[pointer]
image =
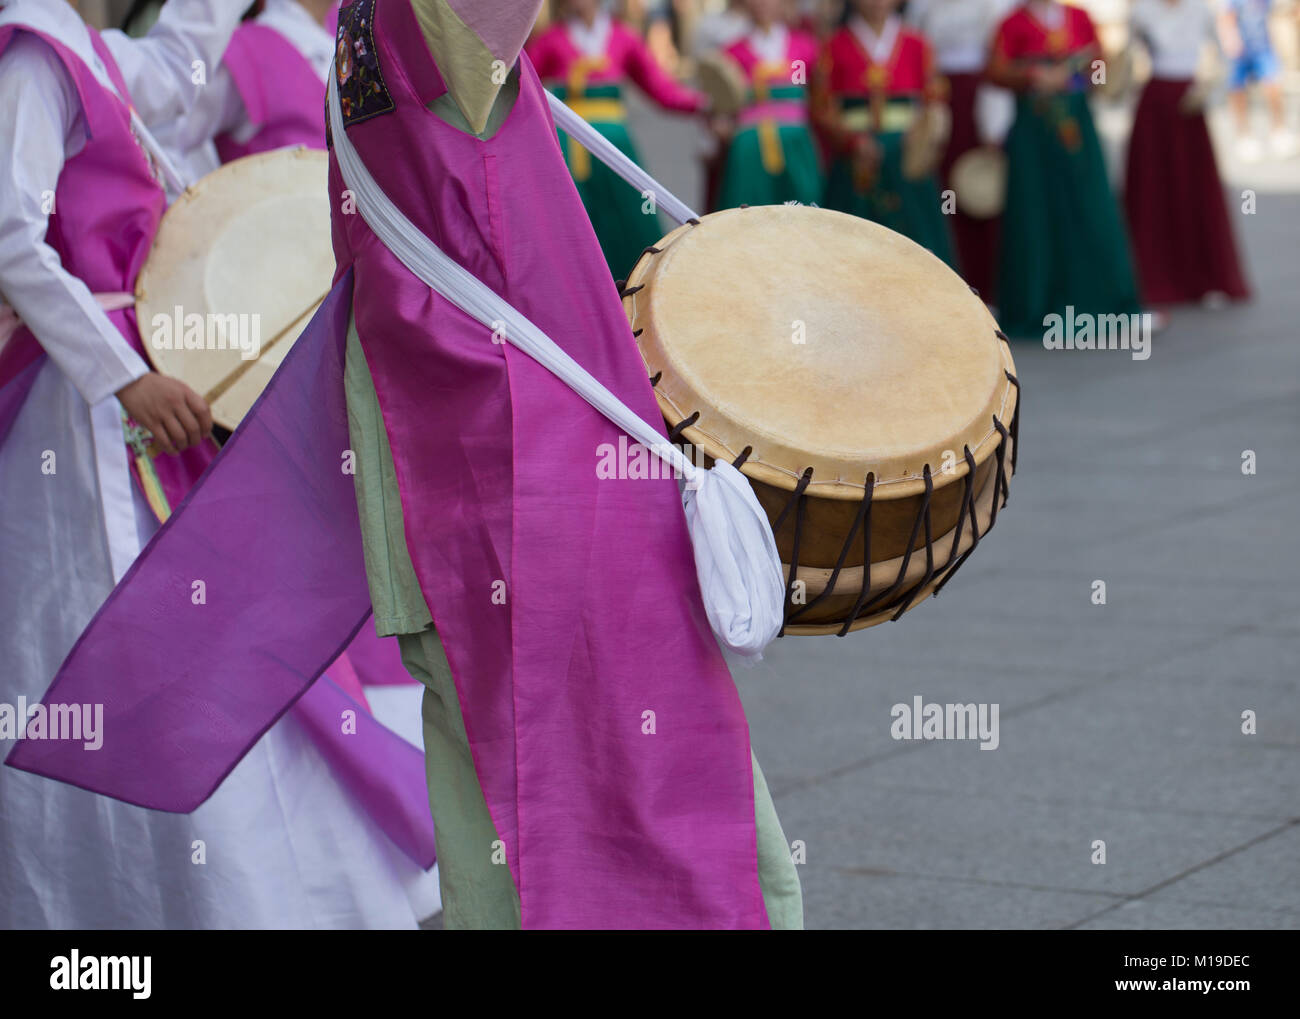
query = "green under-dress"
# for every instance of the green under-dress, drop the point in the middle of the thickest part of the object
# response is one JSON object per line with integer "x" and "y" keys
{"x": 1064, "y": 242}
{"x": 747, "y": 179}
{"x": 625, "y": 222}
{"x": 909, "y": 207}
{"x": 477, "y": 889}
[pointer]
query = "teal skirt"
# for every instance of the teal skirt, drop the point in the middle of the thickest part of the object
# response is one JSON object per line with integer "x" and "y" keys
{"x": 909, "y": 207}
{"x": 625, "y": 223}
{"x": 746, "y": 181}
{"x": 1063, "y": 239}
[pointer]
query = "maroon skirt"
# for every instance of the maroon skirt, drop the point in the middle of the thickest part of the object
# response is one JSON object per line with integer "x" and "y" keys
{"x": 977, "y": 239}
{"x": 1177, "y": 209}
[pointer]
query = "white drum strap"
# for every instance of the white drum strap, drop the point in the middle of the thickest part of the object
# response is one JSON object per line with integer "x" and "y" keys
{"x": 605, "y": 150}
{"x": 736, "y": 560}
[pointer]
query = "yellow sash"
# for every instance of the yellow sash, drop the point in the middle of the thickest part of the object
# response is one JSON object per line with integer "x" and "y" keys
{"x": 769, "y": 135}
{"x": 591, "y": 110}
{"x": 894, "y": 117}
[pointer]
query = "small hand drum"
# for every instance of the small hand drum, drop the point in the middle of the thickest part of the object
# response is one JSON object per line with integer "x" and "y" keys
{"x": 859, "y": 384}
{"x": 246, "y": 248}
{"x": 723, "y": 81}
{"x": 979, "y": 180}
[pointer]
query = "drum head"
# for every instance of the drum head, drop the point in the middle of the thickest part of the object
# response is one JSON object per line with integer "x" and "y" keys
{"x": 723, "y": 81}
{"x": 979, "y": 180}
{"x": 241, "y": 262}
{"x": 823, "y": 341}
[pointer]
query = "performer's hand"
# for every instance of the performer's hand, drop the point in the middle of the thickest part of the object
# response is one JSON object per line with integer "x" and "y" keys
{"x": 866, "y": 162}
{"x": 722, "y": 127}
{"x": 176, "y": 415}
{"x": 1192, "y": 101}
{"x": 865, "y": 148}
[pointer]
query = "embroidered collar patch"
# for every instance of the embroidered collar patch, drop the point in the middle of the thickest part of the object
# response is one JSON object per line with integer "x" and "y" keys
{"x": 362, "y": 91}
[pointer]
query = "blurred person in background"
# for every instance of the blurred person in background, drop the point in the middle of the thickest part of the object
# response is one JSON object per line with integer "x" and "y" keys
{"x": 140, "y": 17}
{"x": 585, "y": 58}
{"x": 960, "y": 32}
{"x": 718, "y": 28}
{"x": 772, "y": 157}
{"x": 876, "y": 81}
{"x": 1249, "y": 46}
{"x": 1063, "y": 240}
{"x": 661, "y": 28}
{"x": 816, "y": 17}
{"x": 1177, "y": 210}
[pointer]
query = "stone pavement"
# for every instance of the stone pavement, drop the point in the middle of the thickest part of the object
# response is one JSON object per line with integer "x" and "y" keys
{"x": 1119, "y": 722}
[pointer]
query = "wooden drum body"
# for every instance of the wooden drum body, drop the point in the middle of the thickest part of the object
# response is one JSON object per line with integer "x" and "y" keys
{"x": 860, "y": 385}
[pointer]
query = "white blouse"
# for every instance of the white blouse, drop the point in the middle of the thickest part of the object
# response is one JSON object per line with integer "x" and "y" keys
{"x": 590, "y": 40}
{"x": 959, "y": 30}
{"x": 1174, "y": 34}
{"x": 770, "y": 46}
{"x": 879, "y": 47}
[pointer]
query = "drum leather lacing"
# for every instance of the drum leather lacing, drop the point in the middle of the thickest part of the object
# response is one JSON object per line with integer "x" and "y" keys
{"x": 862, "y": 522}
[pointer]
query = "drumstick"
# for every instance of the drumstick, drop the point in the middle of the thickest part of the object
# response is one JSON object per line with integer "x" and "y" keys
{"x": 245, "y": 364}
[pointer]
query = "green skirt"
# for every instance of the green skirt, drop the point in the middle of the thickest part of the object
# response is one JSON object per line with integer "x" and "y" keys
{"x": 618, "y": 213}
{"x": 909, "y": 207}
{"x": 745, "y": 181}
{"x": 1063, "y": 238}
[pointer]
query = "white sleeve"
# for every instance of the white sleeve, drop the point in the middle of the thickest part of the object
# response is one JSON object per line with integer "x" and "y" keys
{"x": 218, "y": 109}
{"x": 160, "y": 68}
{"x": 44, "y": 115}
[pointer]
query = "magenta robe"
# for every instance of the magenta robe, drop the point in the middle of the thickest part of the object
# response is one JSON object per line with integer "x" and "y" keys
{"x": 604, "y": 825}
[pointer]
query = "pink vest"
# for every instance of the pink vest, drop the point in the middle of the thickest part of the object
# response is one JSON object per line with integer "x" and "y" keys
{"x": 280, "y": 91}
{"x": 798, "y": 46}
{"x": 786, "y": 106}
{"x": 107, "y": 206}
{"x": 557, "y": 59}
{"x": 568, "y": 605}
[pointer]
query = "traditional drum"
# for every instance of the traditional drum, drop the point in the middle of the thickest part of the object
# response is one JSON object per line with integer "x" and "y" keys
{"x": 1120, "y": 77}
{"x": 241, "y": 262}
{"x": 858, "y": 383}
{"x": 979, "y": 181}
{"x": 723, "y": 80}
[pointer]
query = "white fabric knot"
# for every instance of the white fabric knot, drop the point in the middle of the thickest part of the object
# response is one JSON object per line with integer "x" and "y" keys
{"x": 736, "y": 560}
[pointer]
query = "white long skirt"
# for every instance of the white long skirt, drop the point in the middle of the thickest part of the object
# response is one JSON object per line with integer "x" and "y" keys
{"x": 280, "y": 845}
